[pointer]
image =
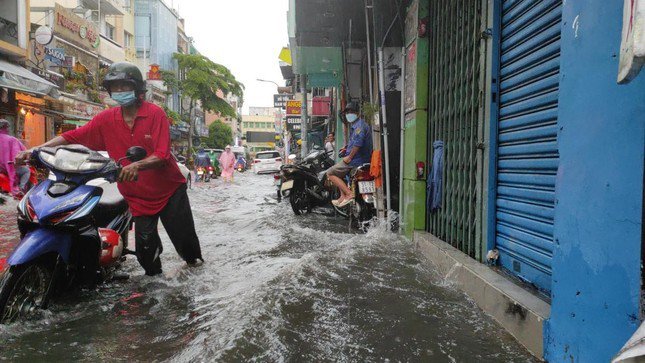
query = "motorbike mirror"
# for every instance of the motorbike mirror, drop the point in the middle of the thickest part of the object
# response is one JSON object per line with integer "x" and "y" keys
{"x": 136, "y": 153}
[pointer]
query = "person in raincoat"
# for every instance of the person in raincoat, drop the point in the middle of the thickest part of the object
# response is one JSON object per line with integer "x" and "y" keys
{"x": 214, "y": 162}
{"x": 227, "y": 163}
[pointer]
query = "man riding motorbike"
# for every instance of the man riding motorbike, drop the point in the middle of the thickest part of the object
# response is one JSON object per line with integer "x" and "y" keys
{"x": 355, "y": 154}
{"x": 10, "y": 147}
{"x": 153, "y": 187}
{"x": 202, "y": 160}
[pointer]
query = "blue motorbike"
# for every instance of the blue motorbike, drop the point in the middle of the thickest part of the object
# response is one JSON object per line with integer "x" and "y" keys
{"x": 74, "y": 229}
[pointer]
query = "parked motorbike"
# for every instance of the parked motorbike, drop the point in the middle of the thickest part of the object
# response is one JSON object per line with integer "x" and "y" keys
{"x": 277, "y": 182}
{"x": 306, "y": 182}
{"x": 362, "y": 210}
{"x": 73, "y": 231}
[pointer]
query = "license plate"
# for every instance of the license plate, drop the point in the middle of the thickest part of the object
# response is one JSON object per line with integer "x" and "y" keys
{"x": 199, "y": 172}
{"x": 287, "y": 185}
{"x": 365, "y": 187}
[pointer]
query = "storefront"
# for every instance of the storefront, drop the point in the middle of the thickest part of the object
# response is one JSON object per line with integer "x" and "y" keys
{"x": 23, "y": 97}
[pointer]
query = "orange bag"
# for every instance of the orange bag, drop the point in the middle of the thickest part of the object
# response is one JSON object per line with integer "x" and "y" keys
{"x": 375, "y": 168}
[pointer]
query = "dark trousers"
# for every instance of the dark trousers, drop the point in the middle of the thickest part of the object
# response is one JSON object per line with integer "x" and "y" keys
{"x": 177, "y": 219}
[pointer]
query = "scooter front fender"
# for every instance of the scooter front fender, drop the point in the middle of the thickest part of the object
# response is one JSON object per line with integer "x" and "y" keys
{"x": 40, "y": 242}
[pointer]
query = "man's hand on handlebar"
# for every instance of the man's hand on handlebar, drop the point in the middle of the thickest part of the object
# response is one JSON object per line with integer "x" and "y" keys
{"x": 23, "y": 157}
{"x": 129, "y": 173}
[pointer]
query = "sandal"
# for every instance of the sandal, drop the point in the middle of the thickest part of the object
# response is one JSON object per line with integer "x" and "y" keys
{"x": 345, "y": 202}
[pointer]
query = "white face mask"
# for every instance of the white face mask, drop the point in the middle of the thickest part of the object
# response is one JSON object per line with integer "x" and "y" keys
{"x": 351, "y": 117}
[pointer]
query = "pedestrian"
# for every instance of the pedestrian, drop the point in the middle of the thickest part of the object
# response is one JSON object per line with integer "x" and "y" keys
{"x": 10, "y": 147}
{"x": 355, "y": 154}
{"x": 330, "y": 146}
{"x": 227, "y": 163}
{"x": 153, "y": 187}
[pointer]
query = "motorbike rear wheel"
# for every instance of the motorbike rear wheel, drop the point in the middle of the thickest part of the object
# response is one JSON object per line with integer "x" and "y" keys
{"x": 24, "y": 289}
{"x": 299, "y": 199}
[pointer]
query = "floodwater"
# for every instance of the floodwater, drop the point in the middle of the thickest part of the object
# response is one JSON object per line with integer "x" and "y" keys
{"x": 274, "y": 288}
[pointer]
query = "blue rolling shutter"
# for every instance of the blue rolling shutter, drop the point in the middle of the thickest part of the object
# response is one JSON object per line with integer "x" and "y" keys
{"x": 527, "y": 154}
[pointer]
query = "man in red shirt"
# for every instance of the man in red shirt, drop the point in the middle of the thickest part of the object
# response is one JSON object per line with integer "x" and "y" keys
{"x": 154, "y": 187}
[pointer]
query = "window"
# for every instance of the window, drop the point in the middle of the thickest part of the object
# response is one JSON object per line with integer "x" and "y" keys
{"x": 109, "y": 31}
{"x": 268, "y": 155}
{"x": 128, "y": 39}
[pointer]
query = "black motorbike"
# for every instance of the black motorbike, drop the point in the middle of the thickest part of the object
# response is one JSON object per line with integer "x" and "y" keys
{"x": 306, "y": 182}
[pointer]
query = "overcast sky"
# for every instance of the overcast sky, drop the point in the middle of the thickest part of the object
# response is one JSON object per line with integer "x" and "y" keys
{"x": 244, "y": 35}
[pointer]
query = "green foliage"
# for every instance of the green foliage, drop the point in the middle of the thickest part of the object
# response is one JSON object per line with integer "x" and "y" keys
{"x": 369, "y": 110}
{"x": 203, "y": 78}
{"x": 219, "y": 135}
{"x": 174, "y": 117}
{"x": 171, "y": 82}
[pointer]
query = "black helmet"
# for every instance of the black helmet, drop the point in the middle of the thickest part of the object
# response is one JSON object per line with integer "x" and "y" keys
{"x": 124, "y": 71}
{"x": 352, "y": 106}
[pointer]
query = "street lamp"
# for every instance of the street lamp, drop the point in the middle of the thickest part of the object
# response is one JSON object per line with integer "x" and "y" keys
{"x": 264, "y": 80}
{"x": 279, "y": 109}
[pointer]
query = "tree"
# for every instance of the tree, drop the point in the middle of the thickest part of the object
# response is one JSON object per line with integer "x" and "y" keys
{"x": 219, "y": 135}
{"x": 202, "y": 79}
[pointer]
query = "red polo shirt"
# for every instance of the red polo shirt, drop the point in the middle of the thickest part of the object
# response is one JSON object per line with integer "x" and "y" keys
{"x": 108, "y": 131}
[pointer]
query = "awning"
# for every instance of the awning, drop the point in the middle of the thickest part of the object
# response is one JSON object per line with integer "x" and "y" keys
{"x": 69, "y": 118}
{"x": 74, "y": 122}
{"x": 20, "y": 79}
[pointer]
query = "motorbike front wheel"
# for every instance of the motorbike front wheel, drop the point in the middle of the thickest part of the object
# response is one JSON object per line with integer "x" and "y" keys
{"x": 23, "y": 291}
{"x": 299, "y": 199}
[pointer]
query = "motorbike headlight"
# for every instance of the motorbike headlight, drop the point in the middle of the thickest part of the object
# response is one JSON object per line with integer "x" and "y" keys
{"x": 47, "y": 158}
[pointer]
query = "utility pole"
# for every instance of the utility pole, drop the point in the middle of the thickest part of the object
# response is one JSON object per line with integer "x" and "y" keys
{"x": 303, "y": 115}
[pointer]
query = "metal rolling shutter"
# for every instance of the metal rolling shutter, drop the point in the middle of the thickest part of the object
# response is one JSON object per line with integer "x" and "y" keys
{"x": 455, "y": 84}
{"x": 527, "y": 150}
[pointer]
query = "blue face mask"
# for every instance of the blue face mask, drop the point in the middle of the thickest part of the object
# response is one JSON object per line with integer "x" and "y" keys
{"x": 124, "y": 98}
{"x": 351, "y": 117}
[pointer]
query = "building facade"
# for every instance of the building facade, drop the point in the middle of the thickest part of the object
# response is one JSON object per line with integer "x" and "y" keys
{"x": 259, "y": 128}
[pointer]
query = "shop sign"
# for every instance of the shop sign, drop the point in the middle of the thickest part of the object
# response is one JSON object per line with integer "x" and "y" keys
{"x": 43, "y": 35}
{"x": 280, "y": 101}
{"x": 293, "y": 123}
{"x": 294, "y": 107}
{"x": 55, "y": 55}
{"x": 72, "y": 27}
{"x": 69, "y": 62}
{"x": 632, "y": 47}
{"x": 155, "y": 73}
{"x": 51, "y": 77}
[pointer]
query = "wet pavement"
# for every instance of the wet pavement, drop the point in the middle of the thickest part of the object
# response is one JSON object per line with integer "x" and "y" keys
{"x": 275, "y": 287}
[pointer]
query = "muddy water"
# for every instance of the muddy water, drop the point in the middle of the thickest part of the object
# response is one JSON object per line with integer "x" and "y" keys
{"x": 275, "y": 288}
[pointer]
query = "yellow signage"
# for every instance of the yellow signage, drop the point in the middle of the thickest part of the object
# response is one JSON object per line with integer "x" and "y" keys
{"x": 285, "y": 56}
{"x": 294, "y": 107}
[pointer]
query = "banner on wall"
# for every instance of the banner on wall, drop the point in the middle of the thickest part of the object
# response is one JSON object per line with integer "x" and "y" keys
{"x": 632, "y": 47}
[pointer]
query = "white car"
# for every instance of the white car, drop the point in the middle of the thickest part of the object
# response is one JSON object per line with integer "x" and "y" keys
{"x": 267, "y": 162}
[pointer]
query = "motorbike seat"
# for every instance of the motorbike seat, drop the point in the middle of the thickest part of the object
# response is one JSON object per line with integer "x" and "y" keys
{"x": 110, "y": 205}
{"x": 357, "y": 168}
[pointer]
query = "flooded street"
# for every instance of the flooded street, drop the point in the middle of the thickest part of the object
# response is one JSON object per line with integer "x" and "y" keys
{"x": 275, "y": 287}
